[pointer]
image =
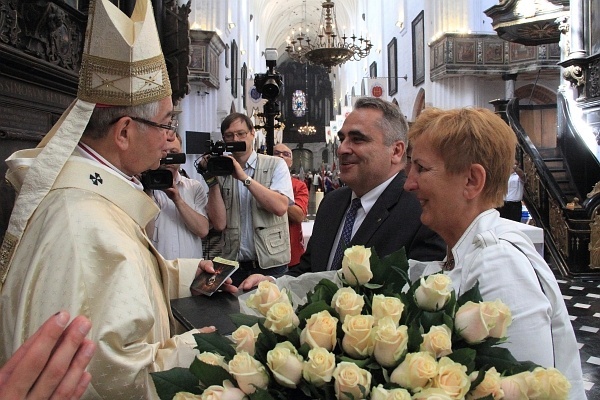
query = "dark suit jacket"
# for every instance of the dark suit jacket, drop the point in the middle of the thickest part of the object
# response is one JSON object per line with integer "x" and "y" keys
{"x": 393, "y": 221}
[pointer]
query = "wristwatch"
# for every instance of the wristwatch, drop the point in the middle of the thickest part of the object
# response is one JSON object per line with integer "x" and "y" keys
{"x": 247, "y": 181}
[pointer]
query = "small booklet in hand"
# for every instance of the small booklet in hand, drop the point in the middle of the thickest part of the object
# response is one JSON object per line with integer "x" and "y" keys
{"x": 207, "y": 283}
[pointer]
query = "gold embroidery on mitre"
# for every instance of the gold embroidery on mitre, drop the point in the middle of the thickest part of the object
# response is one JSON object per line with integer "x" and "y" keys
{"x": 122, "y": 83}
{"x": 6, "y": 252}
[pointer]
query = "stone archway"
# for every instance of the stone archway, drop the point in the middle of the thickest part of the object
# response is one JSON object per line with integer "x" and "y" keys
{"x": 540, "y": 95}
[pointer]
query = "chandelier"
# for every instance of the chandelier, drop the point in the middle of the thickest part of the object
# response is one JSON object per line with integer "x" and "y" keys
{"x": 307, "y": 129}
{"x": 328, "y": 48}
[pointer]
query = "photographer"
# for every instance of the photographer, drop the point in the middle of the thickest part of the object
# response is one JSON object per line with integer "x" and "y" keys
{"x": 183, "y": 221}
{"x": 256, "y": 197}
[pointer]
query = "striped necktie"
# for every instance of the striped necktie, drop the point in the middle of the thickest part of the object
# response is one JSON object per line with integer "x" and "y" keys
{"x": 346, "y": 234}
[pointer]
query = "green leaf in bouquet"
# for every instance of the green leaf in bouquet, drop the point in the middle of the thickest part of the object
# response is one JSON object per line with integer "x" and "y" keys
{"x": 360, "y": 363}
{"x": 261, "y": 394}
{"x": 240, "y": 319}
{"x": 169, "y": 383}
{"x": 209, "y": 374}
{"x": 324, "y": 290}
{"x": 465, "y": 357}
{"x": 500, "y": 358}
{"x": 391, "y": 272}
{"x": 472, "y": 294}
{"x": 432, "y": 318}
{"x": 414, "y": 337}
{"x": 373, "y": 286}
{"x": 215, "y": 343}
{"x": 313, "y": 308}
{"x": 266, "y": 341}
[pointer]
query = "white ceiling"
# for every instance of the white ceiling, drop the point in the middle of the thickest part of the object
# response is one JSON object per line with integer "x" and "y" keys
{"x": 283, "y": 15}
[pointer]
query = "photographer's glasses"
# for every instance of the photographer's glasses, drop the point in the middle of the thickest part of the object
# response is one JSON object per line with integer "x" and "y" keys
{"x": 228, "y": 136}
{"x": 171, "y": 128}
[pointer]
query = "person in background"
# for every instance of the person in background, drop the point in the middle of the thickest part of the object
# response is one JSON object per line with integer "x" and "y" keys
{"x": 297, "y": 211}
{"x": 513, "y": 207}
{"x": 460, "y": 163}
{"x": 256, "y": 197}
{"x": 76, "y": 239}
{"x": 308, "y": 179}
{"x": 317, "y": 181}
{"x": 328, "y": 183}
{"x": 51, "y": 363}
{"x": 373, "y": 210}
{"x": 182, "y": 222}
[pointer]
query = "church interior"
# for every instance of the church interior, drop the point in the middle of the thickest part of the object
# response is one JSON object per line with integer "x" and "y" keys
{"x": 536, "y": 64}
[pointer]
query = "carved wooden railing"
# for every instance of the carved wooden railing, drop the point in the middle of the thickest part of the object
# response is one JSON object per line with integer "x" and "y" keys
{"x": 571, "y": 227}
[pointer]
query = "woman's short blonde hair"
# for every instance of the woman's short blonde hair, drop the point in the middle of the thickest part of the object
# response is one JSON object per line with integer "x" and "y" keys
{"x": 467, "y": 136}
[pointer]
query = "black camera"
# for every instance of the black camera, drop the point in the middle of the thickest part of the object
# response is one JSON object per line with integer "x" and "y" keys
{"x": 217, "y": 164}
{"x": 159, "y": 179}
{"x": 269, "y": 84}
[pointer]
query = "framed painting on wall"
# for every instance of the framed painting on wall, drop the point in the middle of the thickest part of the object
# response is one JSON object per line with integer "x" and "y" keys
{"x": 418, "y": 49}
{"x": 373, "y": 70}
{"x": 392, "y": 49}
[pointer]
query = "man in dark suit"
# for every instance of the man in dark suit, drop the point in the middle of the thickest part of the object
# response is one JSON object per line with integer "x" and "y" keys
{"x": 373, "y": 209}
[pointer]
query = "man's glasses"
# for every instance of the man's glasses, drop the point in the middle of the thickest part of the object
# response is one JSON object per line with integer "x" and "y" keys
{"x": 171, "y": 128}
{"x": 230, "y": 135}
{"x": 282, "y": 153}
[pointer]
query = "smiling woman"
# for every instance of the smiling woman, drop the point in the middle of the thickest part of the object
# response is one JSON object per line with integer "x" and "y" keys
{"x": 460, "y": 163}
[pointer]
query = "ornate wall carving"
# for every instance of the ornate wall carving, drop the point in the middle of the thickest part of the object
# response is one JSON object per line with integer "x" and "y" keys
{"x": 558, "y": 227}
{"x": 594, "y": 245}
{"x": 532, "y": 184}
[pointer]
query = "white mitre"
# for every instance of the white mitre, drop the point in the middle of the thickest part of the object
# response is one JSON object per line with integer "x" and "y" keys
{"x": 122, "y": 65}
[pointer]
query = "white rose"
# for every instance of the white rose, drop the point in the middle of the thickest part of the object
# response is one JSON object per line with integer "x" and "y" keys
{"x": 225, "y": 392}
{"x": 348, "y": 376}
{"x": 286, "y": 364}
{"x": 358, "y": 340}
{"x": 379, "y": 393}
{"x": 520, "y": 386}
{"x": 452, "y": 378}
{"x": 398, "y": 394}
{"x": 503, "y": 319}
{"x": 384, "y": 306}
{"x": 356, "y": 267}
{"x": 346, "y": 302}
{"x": 432, "y": 394}
{"x": 320, "y": 331}
{"x": 416, "y": 371}
{"x": 248, "y": 372}
{"x": 438, "y": 341}
{"x": 434, "y": 292}
{"x": 318, "y": 369}
{"x": 281, "y": 318}
{"x": 477, "y": 321}
{"x": 489, "y": 386}
{"x": 245, "y": 338}
{"x": 390, "y": 342}
{"x": 552, "y": 383}
{"x": 186, "y": 396}
{"x": 266, "y": 295}
{"x": 213, "y": 359}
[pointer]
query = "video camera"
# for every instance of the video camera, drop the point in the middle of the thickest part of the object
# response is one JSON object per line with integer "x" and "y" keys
{"x": 217, "y": 164}
{"x": 269, "y": 83}
{"x": 159, "y": 179}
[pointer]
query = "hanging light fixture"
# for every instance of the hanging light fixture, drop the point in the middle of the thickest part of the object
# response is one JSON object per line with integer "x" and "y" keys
{"x": 306, "y": 129}
{"x": 328, "y": 48}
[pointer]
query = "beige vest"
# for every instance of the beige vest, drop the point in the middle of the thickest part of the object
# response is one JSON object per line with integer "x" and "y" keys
{"x": 271, "y": 233}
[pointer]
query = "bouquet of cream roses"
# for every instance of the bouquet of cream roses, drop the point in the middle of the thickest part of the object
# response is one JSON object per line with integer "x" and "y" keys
{"x": 376, "y": 337}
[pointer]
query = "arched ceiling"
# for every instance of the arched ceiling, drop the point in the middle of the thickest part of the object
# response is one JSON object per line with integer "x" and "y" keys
{"x": 277, "y": 18}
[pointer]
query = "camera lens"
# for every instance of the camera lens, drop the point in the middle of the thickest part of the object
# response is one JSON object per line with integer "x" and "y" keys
{"x": 270, "y": 89}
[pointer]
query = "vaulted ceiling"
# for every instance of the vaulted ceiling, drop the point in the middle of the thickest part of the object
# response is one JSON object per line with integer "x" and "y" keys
{"x": 284, "y": 15}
